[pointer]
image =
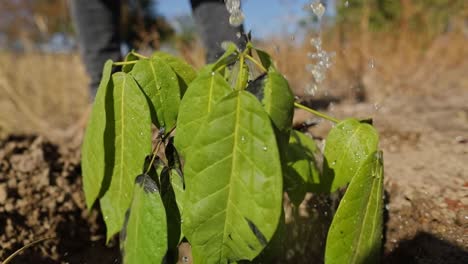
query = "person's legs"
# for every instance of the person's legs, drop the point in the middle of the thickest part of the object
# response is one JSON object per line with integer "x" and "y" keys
{"x": 212, "y": 20}
{"x": 97, "y": 23}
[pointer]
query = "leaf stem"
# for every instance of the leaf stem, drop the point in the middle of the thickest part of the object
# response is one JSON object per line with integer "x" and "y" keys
{"x": 256, "y": 62}
{"x": 155, "y": 153}
{"x": 317, "y": 113}
{"x": 141, "y": 56}
{"x": 25, "y": 247}
{"x": 240, "y": 75}
{"x": 120, "y": 63}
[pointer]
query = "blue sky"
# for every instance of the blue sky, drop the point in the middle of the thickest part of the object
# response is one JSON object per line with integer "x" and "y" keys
{"x": 263, "y": 17}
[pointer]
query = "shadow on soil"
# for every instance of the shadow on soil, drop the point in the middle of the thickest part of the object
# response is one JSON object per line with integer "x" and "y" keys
{"x": 428, "y": 249}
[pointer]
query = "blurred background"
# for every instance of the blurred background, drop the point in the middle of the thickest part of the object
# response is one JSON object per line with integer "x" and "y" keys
{"x": 380, "y": 47}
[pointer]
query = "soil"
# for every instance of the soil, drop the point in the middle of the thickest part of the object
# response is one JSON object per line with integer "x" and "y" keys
{"x": 425, "y": 144}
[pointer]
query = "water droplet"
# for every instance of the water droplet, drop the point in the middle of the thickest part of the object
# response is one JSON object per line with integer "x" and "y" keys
{"x": 318, "y": 9}
{"x": 316, "y": 42}
{"x": 376, "y": 106}
{"x": 212, "y": 73}
{"x": 265, "y": 148}
{"x": 371, "y": 64}
{"x": 232, "y": 5}
{"x": 236, "y": 18}
{"x": 333, "y": 163}
{"x": 242, "y": 139}
{"x": 346, "y": 3}
{"x": 181, "y": 220}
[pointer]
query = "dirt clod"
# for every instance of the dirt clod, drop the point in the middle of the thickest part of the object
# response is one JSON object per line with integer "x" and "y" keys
{"x": 41, "y": 197}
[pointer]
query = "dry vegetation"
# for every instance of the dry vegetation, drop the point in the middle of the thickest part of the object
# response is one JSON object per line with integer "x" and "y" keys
{"x": 47, "y": 93}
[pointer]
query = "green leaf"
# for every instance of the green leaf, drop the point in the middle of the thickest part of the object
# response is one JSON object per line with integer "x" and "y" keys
{"x": 348, "y": 144}
{"x": 203, "y": 93}
{"x": 239, "y": 75}
{"x": 144, "y": 237}
{"x": 265, "y": 59}
{"x": 355, "y": 234}
{"x": 92, "y": 155}
{"x": 129, "y": 142}
{"x": 301, "y": 174}
{"x": 278, "y": 101}
{"x": 233, "y": 197}
{"x": 277, "y": 98}
{"x": 229, "y": 57}
{"x": 128, "y": 67}
{"x": 161, "y": 85}
{"x": 185, "y": 73}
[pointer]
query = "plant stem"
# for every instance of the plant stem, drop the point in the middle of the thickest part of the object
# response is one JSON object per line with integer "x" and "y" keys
{"x": 240, "y": 75}
{"x": 155, "y": 153}
{"x": 120, "y": 63}
{"x": 141, "y": 56}
{"x": 317, "y": 113}
{"x": 25, "y": 247}
{"x": 259, "y": 65}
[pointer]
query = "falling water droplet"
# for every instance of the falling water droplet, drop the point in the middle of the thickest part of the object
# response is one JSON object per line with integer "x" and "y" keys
{"x": 236, "y": 18}
{"x": 232, "y": 5}
{"x": 242, "y": 139}
{"x": 376, "y": 106}
{"x": 212, "y": 73}
{"x": 318, "y": 9}
{"x": 346, "y": 3}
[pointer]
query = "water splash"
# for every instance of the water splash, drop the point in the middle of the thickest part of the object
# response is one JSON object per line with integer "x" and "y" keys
{"x": 237, "y": 16}
{"x": 321, "y": 59}
{"x": 318, "y": 9}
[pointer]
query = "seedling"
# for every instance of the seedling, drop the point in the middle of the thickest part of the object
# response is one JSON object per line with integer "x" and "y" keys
{"x": 225, "y": 154}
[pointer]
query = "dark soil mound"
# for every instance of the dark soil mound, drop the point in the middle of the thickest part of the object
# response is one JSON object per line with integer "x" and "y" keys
{"x": 41, "y": 197}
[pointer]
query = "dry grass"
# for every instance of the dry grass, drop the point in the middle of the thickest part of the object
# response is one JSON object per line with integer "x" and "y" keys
{"x": 44, "y": 92}
{"x": 390, "y": 63}
{"x": 41, "y": 92}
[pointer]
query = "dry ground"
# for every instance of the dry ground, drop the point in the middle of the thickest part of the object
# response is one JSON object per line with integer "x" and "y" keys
{"x": 418, "y": 101}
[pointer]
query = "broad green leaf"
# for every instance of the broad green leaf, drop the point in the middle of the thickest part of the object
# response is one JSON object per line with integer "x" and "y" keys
{"x": 301, "y": 174}
{"x": 128, "y": 67}
{"x": 144, "y": 237}
{"x": 233, "y": 197}
{"x": 160, "y": 84}
{"x": 185, "y": 73}
{"x": 199, "y": 100}
{"x": 129, "y": 142}
{"x": 93, "y": 161}
{"x": 355, "y": 234}
{"x": 348, "y": 144}
{"x": 278, "y": 100}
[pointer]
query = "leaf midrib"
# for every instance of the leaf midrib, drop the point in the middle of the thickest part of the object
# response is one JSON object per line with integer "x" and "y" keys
{"x": 236, "y": 131}
{"x": 122, "y": 103}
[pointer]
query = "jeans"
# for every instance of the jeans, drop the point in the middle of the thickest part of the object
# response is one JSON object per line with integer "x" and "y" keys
{"x": 97, "y": 24}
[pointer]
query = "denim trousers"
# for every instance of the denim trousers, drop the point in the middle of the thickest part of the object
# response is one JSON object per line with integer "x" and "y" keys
{"x": 97, "y": 24}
